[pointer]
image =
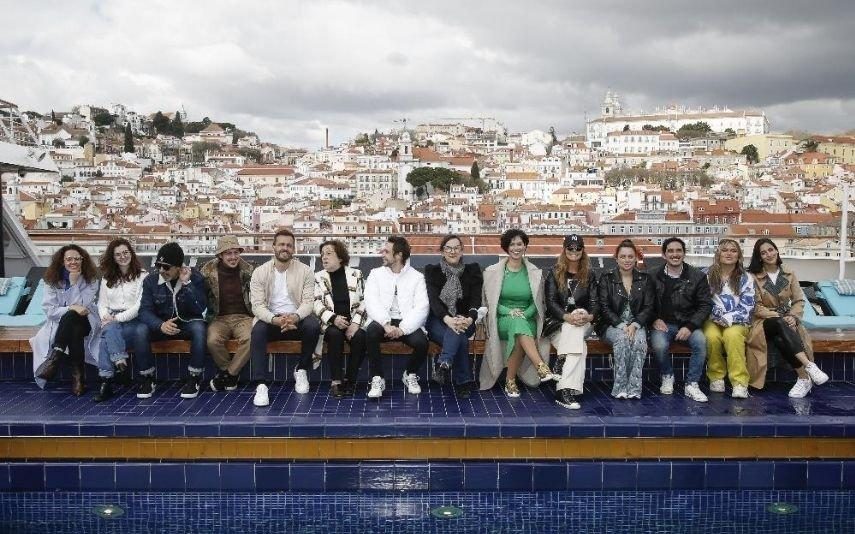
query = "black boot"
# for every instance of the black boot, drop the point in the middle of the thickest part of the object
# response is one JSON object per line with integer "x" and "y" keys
{"x": 47, "y": 370}
{"x": 106, "y": 391}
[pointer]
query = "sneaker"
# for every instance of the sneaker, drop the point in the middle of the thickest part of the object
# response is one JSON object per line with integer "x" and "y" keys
{"x": 375, "y": 389}
{"x": 191, "y": 387}
{"x": 463, "y": 391}
{"x": 815, "y": 373}
{"x": 231, "y": 382}
{"x": 545, "y": 374}
{"x": 633, "y": 395}
{"x": 566, "y": 399}
{"x": 442, "y": 374}
{"x": 717, "y": 386}
{"x": 801, "y": 388}
{"x": 693, "y": 391}
{"x": 620, "y": 395}
{"x": 302, "y": 381}
{"x": 262, "y": 398}
{"x": 511, "y": 389}
{"x": 739, "y": 392}
{"x": 146, "y": 388}
{"x": 218, "y": 383}
{"x": 667, "y": 386}
{"x": 338, "y": 390}
{"x": 411, "y": 381}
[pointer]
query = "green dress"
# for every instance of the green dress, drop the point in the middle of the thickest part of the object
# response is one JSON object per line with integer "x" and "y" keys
{"x": 516, "y": 293}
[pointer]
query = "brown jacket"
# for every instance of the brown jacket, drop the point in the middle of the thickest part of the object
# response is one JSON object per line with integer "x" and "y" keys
{"x": 766, "y": 303}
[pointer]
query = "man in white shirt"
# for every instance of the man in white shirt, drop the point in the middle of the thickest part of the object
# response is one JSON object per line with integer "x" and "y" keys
{"x": 282, "y": 293}
{"x": 396, "y": 301}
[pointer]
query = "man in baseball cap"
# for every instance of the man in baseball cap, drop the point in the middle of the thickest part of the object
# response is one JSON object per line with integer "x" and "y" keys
{"x": 229, "y": 315}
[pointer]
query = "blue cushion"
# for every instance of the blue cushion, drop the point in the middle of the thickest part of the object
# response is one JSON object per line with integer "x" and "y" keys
{"x": 9, "y": 301}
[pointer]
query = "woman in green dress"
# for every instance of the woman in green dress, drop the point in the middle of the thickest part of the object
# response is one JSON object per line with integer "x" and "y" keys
{"x": 513, "y": 293}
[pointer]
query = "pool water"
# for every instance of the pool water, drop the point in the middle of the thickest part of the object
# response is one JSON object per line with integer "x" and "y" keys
{"x": 726, "y": 512}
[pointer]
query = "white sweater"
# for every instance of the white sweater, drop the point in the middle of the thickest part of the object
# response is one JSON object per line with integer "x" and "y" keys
{"x": 380, "y": 289}
{"x": 123, "y": 296}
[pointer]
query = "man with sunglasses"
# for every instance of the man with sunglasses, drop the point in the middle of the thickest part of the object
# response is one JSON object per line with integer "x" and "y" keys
{"x": 173, "y": 301}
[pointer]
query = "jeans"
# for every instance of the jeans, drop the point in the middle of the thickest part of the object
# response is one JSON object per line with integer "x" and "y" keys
{"x": 455, "y": 349}
{"x": 115, "y": 339}
{"x": 660, "y": 342}
{"x": 308, "y": 331}
{"x": 628, "y": 358}
{"x": 190, "y": 330}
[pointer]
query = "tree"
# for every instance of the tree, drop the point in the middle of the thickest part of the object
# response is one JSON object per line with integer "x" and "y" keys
{"x": 626, "y": 127}
{"x": 651, "y": 128}
{"x": 693, "y": 130}
{"x": 82, "y": 140}
{"x": 750, "y": 153}
{"x": 129, "y": 139}
{"x": 811, "y": 145}
{"x": 198, "y": 149}
{"x": 177, "y": 127}
{"x": 58, "y": 143}
{"x": 103, "y": 118}
{"x": 475, "y": 171}
{"x": 160, "y": 124}
{"x": 730, "y": 132}
{"x": 419, "y": 178}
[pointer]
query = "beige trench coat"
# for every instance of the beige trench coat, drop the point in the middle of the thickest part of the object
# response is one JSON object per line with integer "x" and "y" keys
{"x": 494, "y": 361}
{"x": 792, "y": 294}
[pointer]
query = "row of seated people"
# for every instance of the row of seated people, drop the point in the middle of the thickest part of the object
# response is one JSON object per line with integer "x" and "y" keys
{"x": 729, "y": 316}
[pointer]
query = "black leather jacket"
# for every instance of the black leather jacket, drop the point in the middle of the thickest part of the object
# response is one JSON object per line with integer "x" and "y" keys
{"x": 613, "y": 297}
{"x": 556, "y": 301}
{"x": 691, "y": 300}
{"x": 471, "y": 281}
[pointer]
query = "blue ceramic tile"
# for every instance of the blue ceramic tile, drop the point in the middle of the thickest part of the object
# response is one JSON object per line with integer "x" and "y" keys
{"x": 758, "y": 430}
{"x": 307, "y": 476}
{"x": 686, "y": 475}
{"x": 824, "y": 475}
{"x": 342, "y": 477}
{"x": 97, "y": 477}
{"x": 412, "y": 477}
{"x": 585, "y": 475}
{"x": 848, "y": 475}
{"x": 238, "y": 430}
{"x": 690, "y": 430}
{"x": 722, "y": 475}
{"x": 756, "y": 475}
{"x": 619, "y": 475}
{"x": 792, "y": 430}
{"x": 203, "y": 477}
{"x": 166, "y": 430}
{"x": 655, "y": 431}
{"x": 104, "y": 430}
{"x": 828, "y": 431}
{"x": 376, "y": 476}
{"x": 26, "y": 429}
{"x": 439, "y": 430}
{"x": 168, "y": 477}
{"x": 622, "y": 431}
{"x": 272, "y": 477}
{"x": 482, "y": 430}
{"x": 725, "y": 430}
{"x": 131, "y": 477}
{"x": 131, "y": 430}
{"x": 790, "y": 475}
{"x": 654, "y": 475}
{"x": 446, "y": 477}
{"x": 517, "y": 431}
{"x": 237, "y": 477}
{"x": 549, "y": 476}
{"x": 481, "y": 476}
{"x": 201, "y": 431}
{"x": 587, "y": 431}
{"x": 515, "y": 476}
{"x": 275, "y": 431}
{"x": 62, "y": 477}
{"x": 62, "y": 429}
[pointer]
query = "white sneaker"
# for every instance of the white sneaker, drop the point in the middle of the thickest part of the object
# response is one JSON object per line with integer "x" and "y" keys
{"x": 667, "y": 386}
{"x": 739, "y": 392}
{"x": 376, "y": 388}
{"x": 262, "y": 398}
{"x": 815, "y": 373}
{"x": 302, "y": 381}
{"x": 693, "y": 391}
{"x": 411, "y": 381}
{"x": 801, "y": 388}
{"x": 717, "y": 386}
{"x": 620, "y": 395}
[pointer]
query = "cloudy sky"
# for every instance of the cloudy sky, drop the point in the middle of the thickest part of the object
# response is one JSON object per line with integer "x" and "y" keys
{"x": 288, "y": 69}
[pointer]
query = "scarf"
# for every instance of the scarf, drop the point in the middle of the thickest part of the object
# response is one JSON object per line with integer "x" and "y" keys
{"x": 452, "y": 291}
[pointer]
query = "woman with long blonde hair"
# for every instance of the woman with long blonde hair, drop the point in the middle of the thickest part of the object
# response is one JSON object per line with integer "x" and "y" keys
{"x": 727, "y": 328}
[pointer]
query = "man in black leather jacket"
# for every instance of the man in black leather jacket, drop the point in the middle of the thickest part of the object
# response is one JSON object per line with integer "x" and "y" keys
{"x": 683, "y": 303}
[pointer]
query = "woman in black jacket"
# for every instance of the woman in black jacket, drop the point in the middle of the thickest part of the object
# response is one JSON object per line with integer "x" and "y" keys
{"x": 570, "y": 294}
{"x": 627, "y": 307}
{"x": 454, "y": 293}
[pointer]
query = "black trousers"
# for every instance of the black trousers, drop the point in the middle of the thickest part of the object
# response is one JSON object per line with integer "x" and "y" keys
{"x": 785, "y": 339}
{"x": 70, "y": 334}
{"x": 375, "y": 334}
{"x": 335, "y": 339}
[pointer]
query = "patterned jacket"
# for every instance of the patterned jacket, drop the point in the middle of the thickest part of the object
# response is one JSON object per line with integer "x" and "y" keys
{"x": 324, "y": 306}
{"x": 733, "y": 309}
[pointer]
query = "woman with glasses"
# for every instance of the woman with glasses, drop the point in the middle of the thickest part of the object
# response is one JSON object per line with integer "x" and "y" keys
{"x": 777, "y": 321}
{"x": 118, "y": 306}
{"x": 70, "y": 331}
{"x": 727, "y": 328}
{"x": 513, "y": 294}
{"x": 570, "y": 292}
{"x": 454, "y": 293}
{"x": 627, "y": 307}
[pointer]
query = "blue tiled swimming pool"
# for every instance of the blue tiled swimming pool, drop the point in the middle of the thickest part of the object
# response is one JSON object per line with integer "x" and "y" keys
{"x": 723, "y": 512}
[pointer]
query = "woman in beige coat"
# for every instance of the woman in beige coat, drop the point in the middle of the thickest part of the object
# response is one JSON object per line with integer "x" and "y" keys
{"x": 778, "y": 311}
{"x": 513, "y": 294}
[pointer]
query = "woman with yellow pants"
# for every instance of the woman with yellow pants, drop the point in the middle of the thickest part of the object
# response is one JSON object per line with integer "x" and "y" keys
{"x": 727, "y": 328}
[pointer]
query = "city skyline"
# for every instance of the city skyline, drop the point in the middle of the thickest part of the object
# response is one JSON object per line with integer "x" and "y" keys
{"x": 288, "y": 72}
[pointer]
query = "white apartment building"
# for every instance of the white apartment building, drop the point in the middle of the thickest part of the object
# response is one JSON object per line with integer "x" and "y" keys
{"x": 640, "y": 142}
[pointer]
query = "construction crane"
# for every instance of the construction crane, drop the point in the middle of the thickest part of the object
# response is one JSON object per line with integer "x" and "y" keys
{"x": 404, "y": 122}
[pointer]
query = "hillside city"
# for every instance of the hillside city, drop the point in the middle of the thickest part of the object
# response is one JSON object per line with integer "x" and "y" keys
{"x": 699, "y": 173}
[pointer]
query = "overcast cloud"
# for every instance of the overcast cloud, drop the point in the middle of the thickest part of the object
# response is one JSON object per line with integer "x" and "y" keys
{"x": 287, "y": 70}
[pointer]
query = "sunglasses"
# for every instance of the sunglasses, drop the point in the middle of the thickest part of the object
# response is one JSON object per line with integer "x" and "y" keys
{"x": 164, "y": 267}
{"x": 574, "y": 248}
